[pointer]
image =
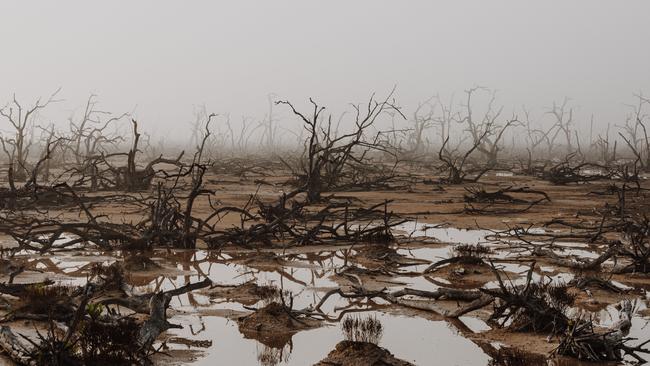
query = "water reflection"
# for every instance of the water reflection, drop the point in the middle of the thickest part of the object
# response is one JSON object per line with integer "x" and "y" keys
{"x": 246, "y": 280}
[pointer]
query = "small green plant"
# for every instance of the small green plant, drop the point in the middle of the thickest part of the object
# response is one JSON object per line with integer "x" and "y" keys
{"x": 94, "y": 310}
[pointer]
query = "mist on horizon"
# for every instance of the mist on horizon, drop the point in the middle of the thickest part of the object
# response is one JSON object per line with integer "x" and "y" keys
{"x": 163, "y": 60}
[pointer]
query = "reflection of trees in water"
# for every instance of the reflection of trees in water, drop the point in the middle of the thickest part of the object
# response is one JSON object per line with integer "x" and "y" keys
{"x": 198, "y": 330}
{"x": 272, "y": 356}
{"x": 197, "y": 265}
{"x": 515, "y": 357}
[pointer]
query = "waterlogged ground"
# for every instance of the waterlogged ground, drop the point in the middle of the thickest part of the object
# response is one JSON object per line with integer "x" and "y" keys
{"x": 245, "y": 280}
{"x": 210, "y": 330}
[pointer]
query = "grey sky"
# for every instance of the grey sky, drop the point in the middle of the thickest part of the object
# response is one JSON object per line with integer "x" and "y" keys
{"x": 166, "y": 56}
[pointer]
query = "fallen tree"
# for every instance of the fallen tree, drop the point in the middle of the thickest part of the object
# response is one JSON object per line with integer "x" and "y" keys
{"x": 92, "y": 335}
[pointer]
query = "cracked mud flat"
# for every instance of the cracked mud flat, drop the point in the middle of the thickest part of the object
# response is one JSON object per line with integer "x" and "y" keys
{"x": 221, "y": 323}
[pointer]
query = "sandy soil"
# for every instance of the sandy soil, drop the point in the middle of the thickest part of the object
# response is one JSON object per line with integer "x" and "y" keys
{"x": 349, "y": 266}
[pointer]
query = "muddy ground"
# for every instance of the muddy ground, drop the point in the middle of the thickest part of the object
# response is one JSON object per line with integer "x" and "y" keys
{"x": 238, "y": 319}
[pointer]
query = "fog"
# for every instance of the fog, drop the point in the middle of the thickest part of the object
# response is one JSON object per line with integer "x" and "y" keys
{"x": 161, "y": 59}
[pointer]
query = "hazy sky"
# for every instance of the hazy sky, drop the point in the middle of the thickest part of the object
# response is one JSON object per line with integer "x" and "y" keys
{"x": 164, "y": 57}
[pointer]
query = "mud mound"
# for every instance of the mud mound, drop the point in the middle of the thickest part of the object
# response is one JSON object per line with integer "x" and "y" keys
{"x": 248, "y": 293}
{"x": 140, "y": 262}
{"x": 273, "y": 325}
{"x": 380, "y": 255}
{"x": 348, "y": 353}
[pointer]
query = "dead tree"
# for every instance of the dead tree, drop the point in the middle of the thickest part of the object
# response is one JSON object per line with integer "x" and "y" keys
{"x": 563, "y": 115}
{"x": 51, "y": 145}
{"x": 605, "y": 149}
{"x": 130, "y": 177}
{"x": 583, "y": 341}
{"x": 454, "y": 165}
{"x": 200, "y": 115}
{"x": 636, "y": 132}
{"x": 478, "y": 194}
{"x": 636, "y": 245}
{"x": 32, "y": 194}
{"x": 532, "y": 307}
{"x": 422, "y": 120}
{"x": 10, "y": 151}
{"x": 101, "y": 172}
{"x": 487, "y": 132}
{"x": 217, "y": 138}
{"x": 566, "y": 172}
{"x": 445, "y": 119}
{"x": 89, "y": 336}
{"x": 89, "y": 135}
{"x": 269, "y": 137}
{"x": 169, "y": 223}
{"x": 240, "y": 141}
{"x": 329, "y": 157}
{"x": 22, "y": 120}
{"x": 47, "y": 152}
{"x": 535, "y": 137}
